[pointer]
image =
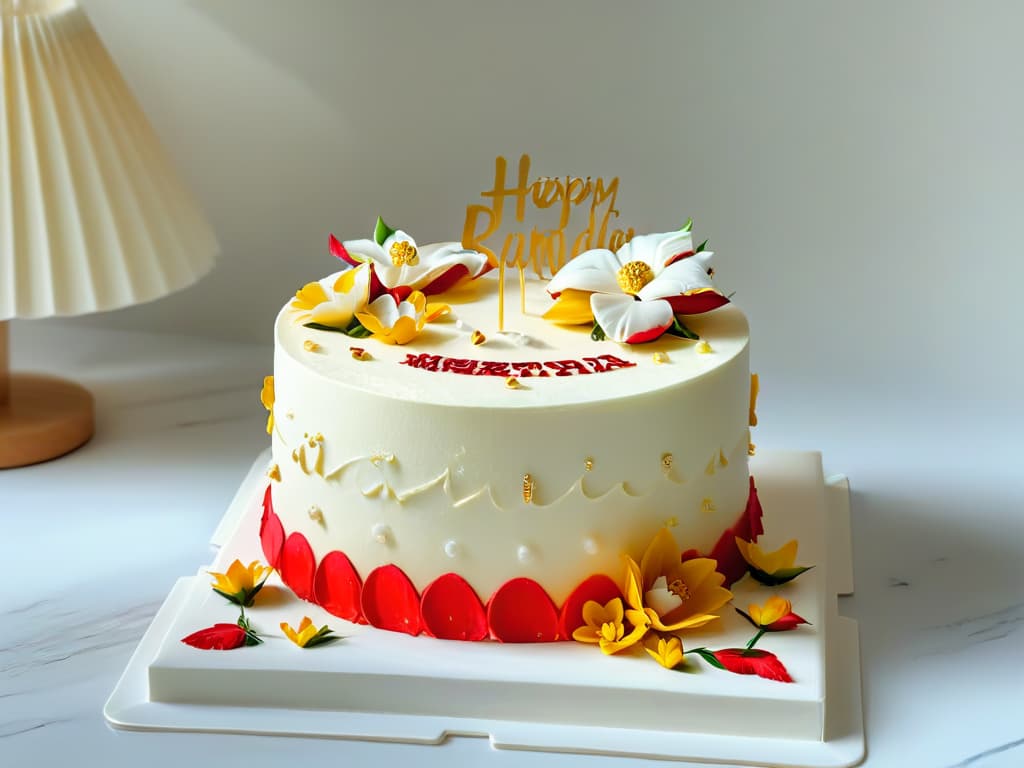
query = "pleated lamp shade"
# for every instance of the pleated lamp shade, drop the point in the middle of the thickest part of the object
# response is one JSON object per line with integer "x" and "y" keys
{"x": 93, "y": 215}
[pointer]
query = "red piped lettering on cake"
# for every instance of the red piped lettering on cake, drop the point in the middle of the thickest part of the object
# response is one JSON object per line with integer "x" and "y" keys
{"x": 389, "y": 600}
{"x": 525, "y": 370}
{"x": 271, "y": 532}
{"x": 502, "y": 368}
{"x": 337, "y": 587}
{"x": 298, "y": 566}
{"x": 612, "y": 362}
{"x": 599, "y": 588}
{"x": 451, "y": 610}
{"x": 422, "y": 361}
{"x": 520, "y": 611}
{"x": 568, "y": 367}
{"x": 492, "y": 368}
{"x": 461, "y": 365}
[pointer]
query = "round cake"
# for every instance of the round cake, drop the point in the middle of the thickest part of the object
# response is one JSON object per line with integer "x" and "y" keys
{"x": 536, "y": 452}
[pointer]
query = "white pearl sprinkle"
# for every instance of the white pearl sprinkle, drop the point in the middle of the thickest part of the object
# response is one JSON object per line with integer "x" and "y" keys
{"x": 524, "y": 554}
{"x": 590, "y": 546}
{"x": 381, "y": 533}
{"x": 451, "y": 548}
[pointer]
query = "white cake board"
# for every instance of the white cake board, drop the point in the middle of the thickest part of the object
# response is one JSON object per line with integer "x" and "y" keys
{"x": 252, "y": 700}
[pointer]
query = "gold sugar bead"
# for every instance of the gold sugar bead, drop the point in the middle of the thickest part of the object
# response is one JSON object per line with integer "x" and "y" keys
{"x": 513, "y": 383}
{"x": 310, "y": 346}
{"x": 358, "y": 353}
{"x": 477, "y": 338}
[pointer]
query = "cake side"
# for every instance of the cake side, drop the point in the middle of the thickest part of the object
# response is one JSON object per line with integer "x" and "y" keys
{"x": 554, "y": 481}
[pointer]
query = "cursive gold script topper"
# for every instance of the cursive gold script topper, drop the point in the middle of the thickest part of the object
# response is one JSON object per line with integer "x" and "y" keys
{"x": 545, "y": 251}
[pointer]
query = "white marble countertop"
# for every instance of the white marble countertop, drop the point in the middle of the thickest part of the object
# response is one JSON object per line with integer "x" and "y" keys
{"x": 94, "y": 541}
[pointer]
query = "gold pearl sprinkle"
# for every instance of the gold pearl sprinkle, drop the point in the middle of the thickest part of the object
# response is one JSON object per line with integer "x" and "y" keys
{"x": 634, "y": 276}
{"x": 707, "y": 505}
{"x": 660, "y": 358}
{"x": 527, "y": 489}
{"x": 672, "y": 522}
{"x": 274, "y": 473}
{"x": 513, "y": 383}
{"x": 310, "y": 346}
{"x": 317, "y": 514}
{"x": 703, "y": 348}
{"x": 751, "y": 448}
{"x": 666, "y": 461}
{"x": 319, "y": 437}
{"x": 588, "y": 463}
{"x": 477, "y": 338}
{"x": 403, "y": 253}
{"x": 358, "y": 353}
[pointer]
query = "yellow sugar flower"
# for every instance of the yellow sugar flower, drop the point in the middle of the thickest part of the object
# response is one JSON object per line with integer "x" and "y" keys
{"x": 771, "y": 568}
{"x": 333, "y": 301}
{"x": 666, "y": 650}
{"x": 267, "y": 398}
{"x": 605, "y": 627}
{"x": 776, "y": 615}
{"x": 241, "y": 583}
{"x": 674, "y": 595}
{"x": 399, "y": 322}
{"x": 307, "y": 635}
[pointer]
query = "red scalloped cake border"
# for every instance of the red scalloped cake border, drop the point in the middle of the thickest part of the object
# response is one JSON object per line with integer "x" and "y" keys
{"x": 519, "y": 611}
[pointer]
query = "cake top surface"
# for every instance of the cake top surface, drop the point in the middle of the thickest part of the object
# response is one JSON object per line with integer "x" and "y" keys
{"x": 551, "y": 365}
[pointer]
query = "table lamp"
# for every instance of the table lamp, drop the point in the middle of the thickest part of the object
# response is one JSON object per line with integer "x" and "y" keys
{"x": 92, "y": 214}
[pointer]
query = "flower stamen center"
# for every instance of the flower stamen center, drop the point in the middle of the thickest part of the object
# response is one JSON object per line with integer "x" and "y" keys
{"x": 634, "y": 275}
{"x": 403, "y": 252}
{"x": 679, "y": 589}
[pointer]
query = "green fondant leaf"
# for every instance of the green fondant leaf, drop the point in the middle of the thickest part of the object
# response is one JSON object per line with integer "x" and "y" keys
{"x": 708, "y": 656}
{"x": 382, "y": 231}
{"x": 323, "y": 636}
{"x": 236, "y": 598}
{"x": 319, "y": 327}
{"x": 779, "y": 577}
{"x": 679, "y": 329}
{"x": 701, "y": 247}
{"x": 687, "y": 226}
{"x": 358, "y": 331}
{"x": 598, "y": 333}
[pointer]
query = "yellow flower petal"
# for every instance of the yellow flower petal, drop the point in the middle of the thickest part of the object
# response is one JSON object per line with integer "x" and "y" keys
{"x": 587, "y": 634}
{"x": 628, "y": 641}
{"x": 594, "y": 613}
{"x": 418, "y": 301}
{"x": 661, "y": 559}
{"x": 370, "y": 323}
{"x": 434, "y": 311}
{"x": 774, "y": 608}
{"x": 289, "y": 632}
{"x": 634, "y": 595}
{"x": 309, "y": 296}
{"x": 571, "y": 308}
{"x": 222, "y": 583}
{"x": 405, "y": 330}
{"x": 239, "y": 576}
{"x": 666, "y": 651}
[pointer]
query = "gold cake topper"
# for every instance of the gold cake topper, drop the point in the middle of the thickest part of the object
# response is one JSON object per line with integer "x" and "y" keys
{"x": 545, "y": 251}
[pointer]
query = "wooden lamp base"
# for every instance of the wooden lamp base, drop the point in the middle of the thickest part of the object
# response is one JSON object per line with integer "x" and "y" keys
{"x": 41, "y": 417}
{"x": 44, "y": 417}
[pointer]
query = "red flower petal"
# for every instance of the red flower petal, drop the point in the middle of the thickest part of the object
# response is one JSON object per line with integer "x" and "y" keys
{"x": 725, "y": 552}
{"x": 679, "y": 257}
{"x": 697, "y": 303}
{"x": 399, "y": 293}
{"x": 451, "y": 610}
{"x": 337, "y": 587}
{"x": 787, "y": 622}
{"x": 339, "y": 250}
{"x": 599, "y": 588}
{"x": 298, "y": 565}
{"x": 749, "y": 526}
{"x": 753, "y": 662}
{"x": 649, "y": 335}
{"x": 730, "y": 562}
{"x": 446, "y": 280}
{"x": 520, "y": 611}
{"x": 271, "y": 532}
{"x": 389, "y": 600}
{"x": 219, "y": 637}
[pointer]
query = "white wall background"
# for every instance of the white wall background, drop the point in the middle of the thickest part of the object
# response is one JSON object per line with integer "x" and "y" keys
{"x": 858, "y": 167}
